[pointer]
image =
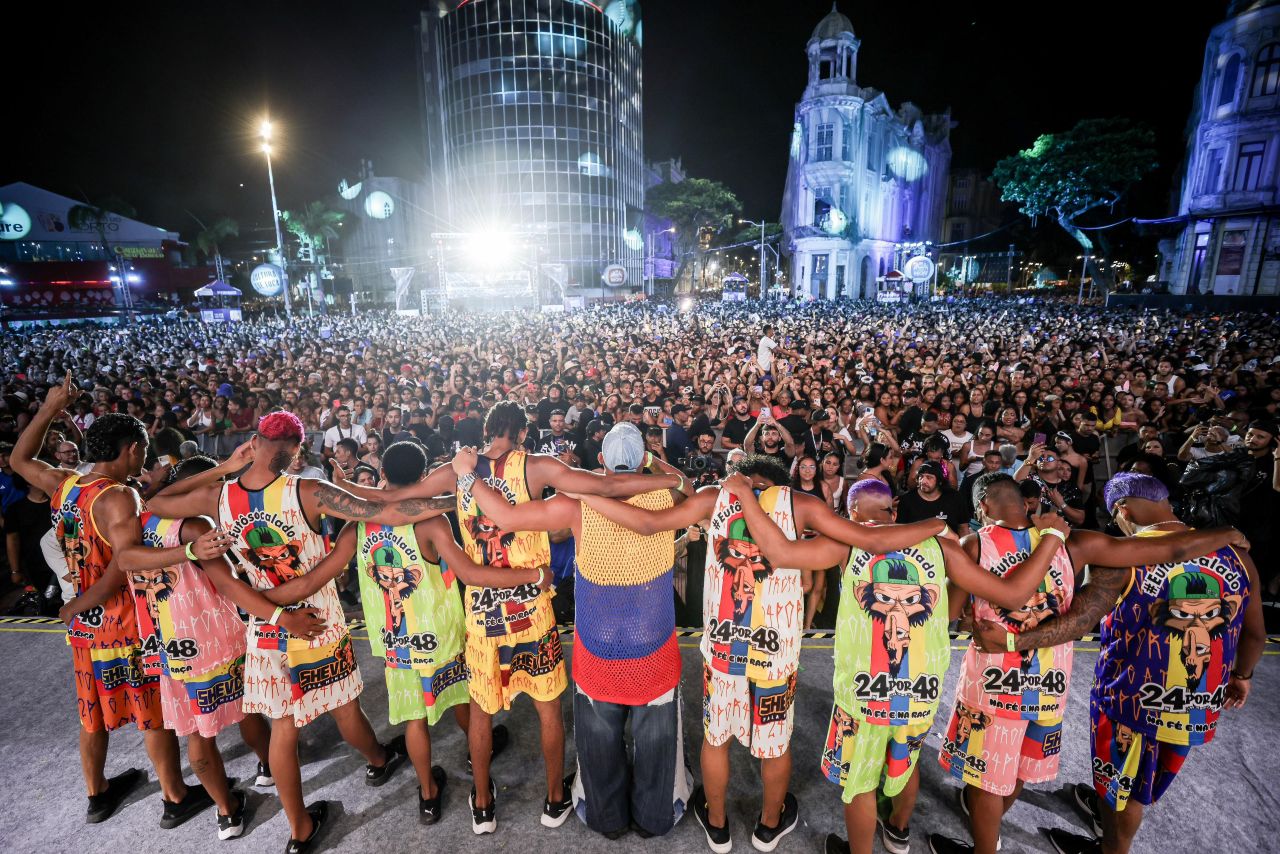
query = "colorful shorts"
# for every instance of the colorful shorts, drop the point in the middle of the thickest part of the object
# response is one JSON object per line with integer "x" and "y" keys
{"x": 859, "y": 756}
{"x": 111, "y": 689}
{"x": 503, "y": 668}
{"x": 414, "y": 695}
{"x": 204, "y": 703}
{"x": 301, "y": 683}
{"x": 1128, "y": 764}
{"x": 994, "y": 753}
{"x": 761, "y": 715}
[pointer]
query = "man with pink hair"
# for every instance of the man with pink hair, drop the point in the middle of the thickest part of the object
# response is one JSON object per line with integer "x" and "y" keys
{"x": 273, "y": 520}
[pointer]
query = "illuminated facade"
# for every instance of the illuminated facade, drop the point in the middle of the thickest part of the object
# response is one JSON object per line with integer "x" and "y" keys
{"x": 1230, "y": 242}
{"x": 533, "y": 129}
{"x": 862, "y": 177}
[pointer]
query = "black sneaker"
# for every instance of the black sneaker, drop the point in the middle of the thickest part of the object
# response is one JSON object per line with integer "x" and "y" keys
{"x": 264, "y": 778}
{"x": 104, "y": 804}
{"x": 767, "y": 838}
{"x": 1065, "y": 842}
{"x": 640, "y": 831}
{"x": 968, "y": 821}
{"x": 484, "y": 819}
{"x": 554, "y": 815}
{"x": 429, "y": 808}
{"x": 319, "y": 811}
{"x": 895, "y": 841}
{"x": 1089, "y": 805}
{"x": 231, "y": 826}
{"x": 377, "y": 775}
{"x": 718, "y": 838}
{"x": 836, "y": 844}
{"x": 940, "y": 844}
{"x": 197, "y": 799}
{"x": 501, "y": 738}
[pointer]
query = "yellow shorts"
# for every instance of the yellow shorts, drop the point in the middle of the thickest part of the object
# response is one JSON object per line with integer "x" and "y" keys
{"x": 503, "y": 668}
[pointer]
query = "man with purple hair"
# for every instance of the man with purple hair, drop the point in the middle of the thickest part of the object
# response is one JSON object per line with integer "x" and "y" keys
{"x": 1179, "y": 642}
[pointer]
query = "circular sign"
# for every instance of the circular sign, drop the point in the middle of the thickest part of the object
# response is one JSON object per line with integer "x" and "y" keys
{"x": 15, "y": 223}
{"x": 349, "y": 191}
{"x": 920, "y": 268}
{"x": 379, "y": 205}
{"x": 267, "y": 279}
{"x": 615, "y": 275}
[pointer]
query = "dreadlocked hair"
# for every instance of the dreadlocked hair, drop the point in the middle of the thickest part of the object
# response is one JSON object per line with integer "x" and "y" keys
{"x": 108, "y": 436}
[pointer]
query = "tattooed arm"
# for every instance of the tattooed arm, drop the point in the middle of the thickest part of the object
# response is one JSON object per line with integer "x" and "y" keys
{"x": 1090, "y": 604}
{"x": 319, "y": 497}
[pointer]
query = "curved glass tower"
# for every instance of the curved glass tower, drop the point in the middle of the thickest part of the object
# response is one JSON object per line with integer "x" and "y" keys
{"x": 533, "y": 129}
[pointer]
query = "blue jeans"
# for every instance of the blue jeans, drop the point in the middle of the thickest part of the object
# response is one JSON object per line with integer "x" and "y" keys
{"x": 614, "y": 789}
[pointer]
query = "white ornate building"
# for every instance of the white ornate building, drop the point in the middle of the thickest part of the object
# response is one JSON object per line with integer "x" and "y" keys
{"x": 1230, "y": 243}
{"x": 863, "y": 178}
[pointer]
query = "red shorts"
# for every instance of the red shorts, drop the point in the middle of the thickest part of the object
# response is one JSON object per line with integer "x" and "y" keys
{"x": 112, "y": 691}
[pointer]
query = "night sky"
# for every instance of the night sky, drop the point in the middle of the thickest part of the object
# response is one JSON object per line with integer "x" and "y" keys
{"x": 158, "y": 103}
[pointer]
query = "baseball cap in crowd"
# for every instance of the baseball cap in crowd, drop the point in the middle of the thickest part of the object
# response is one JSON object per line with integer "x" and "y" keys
{"x": 1264, "y": 425}
{"x": 799, "y": 403}
{"x": 1063, "y": 434}
{"x": 930, "y": 468}
{"x": 556, "y": 412}
{"x": 636, "y": 409}
{"x": 623, "y": 448}
{"x": 697, "y": 400}
{"x": 596, "y": 426}
{"x": 907, "y": 394}
{"x": 678, "y": 408}
{"x": 1050, "y": 398}
{"x": 819, "y": 416}
{"x": 6, "y": 447}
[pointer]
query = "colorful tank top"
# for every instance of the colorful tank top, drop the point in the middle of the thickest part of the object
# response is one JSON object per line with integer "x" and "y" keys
{"x": 626, "y": 648}
{"x": 411, "y": 605}
{"x": 752, "y": 612}
{"x": 1030, "y": 685}
{"x": 494, "y": 611}
{"x": 272, "y": 542}
{"x": 88, "y": 553}
{"x": 187, "y": 627}
{"x": 1168, "y": 647}
{"x": 892, "y": 648}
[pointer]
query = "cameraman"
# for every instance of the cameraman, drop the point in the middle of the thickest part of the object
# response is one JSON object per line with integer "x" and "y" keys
{"x": 702, "y": 466}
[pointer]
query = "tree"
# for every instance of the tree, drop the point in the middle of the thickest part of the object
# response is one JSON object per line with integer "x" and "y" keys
{"x": 315, "y": 225}
{"x": 694, "y": 206}
{"x": 209, "y": 240}
{"x": 1067, "y": 175}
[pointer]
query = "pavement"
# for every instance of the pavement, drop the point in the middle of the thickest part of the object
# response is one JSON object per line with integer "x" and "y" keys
{"x": 1225, "y": 799}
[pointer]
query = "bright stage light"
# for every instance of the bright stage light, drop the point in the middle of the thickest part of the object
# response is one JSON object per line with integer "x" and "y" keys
{"x": 686, "y": 304}
{"x": 492, "y": 248}
{"x": 632, "y": 239}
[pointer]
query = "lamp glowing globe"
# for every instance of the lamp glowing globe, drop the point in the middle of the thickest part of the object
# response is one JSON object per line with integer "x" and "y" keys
{"x": 907, "y": 163}
{"x": 632, "y": 239}
{"x": 349, "y": 191}
{"x": 835, "y": 221}
{"x": 378, "y": 205}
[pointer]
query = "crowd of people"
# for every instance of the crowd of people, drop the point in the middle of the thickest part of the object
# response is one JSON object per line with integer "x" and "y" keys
{"x": 765, "y": 435}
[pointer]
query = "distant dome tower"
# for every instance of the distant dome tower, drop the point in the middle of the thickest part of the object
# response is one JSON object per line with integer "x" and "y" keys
{"x": 863, "y": 179}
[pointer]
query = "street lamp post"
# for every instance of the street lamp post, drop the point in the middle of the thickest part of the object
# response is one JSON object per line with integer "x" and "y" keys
{"x": 275, "y": 218}
{"x": 1084, "y": 268}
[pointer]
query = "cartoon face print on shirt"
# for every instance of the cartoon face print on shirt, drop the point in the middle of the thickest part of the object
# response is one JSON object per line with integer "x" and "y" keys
{"x": 1042, "y": 605}
{"x": 268, "y": 550}
{"x": 1197, "y": 611}
{"x": 895, "y": 598}
{"x": 493, "y": 543}
{"x": 154, "y": 586}
{"x": 397, "y": 581}
{"x": 741, "y": 556}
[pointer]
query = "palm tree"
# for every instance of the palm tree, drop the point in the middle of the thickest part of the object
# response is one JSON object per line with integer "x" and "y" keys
{"x": 315, "y": 225}
{"x": 95, "y": 217}
{"x": 208, "y": 240}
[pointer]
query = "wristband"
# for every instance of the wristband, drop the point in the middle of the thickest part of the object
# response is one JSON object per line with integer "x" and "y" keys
{"x": 1011, "y": 642}
{"x": 464, "y": 482}
{"x": 275, "y": 615}
{"x": 1053, "y": 532}
{"x": 648, "y": 458}
{"x": 1241, "y": 676}
{"x": 542, "y": 575}
{"x": 190, "y": 551}
{"x": 680, "y": 485}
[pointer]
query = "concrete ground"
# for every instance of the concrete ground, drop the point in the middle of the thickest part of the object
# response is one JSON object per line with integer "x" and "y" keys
{"x": 1226, "y": 799}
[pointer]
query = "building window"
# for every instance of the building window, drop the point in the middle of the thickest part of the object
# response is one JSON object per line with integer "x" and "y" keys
{"x": 1212, "y": 177}
{"x": 1197, "y": 262}
{"x": 960, "y": 203}
{"x": 1266, "y": 74}
{"x": 958, "y": 232}
{"x": 873, "y": 143}
{"x": 846, "y": 141}
{"x": 819, "y": 277}
{"x": 821, "y": 206}
{"x": 824, "y": 141}
{"x": 1231, "y": 253}
{"x": 1249, "y": 166}
{"x": 1230, "y": 79}
{"x": 839, "y": 279}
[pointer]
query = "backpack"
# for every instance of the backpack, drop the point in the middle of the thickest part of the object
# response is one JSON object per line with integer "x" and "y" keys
{"x": 1212, "y": 488}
